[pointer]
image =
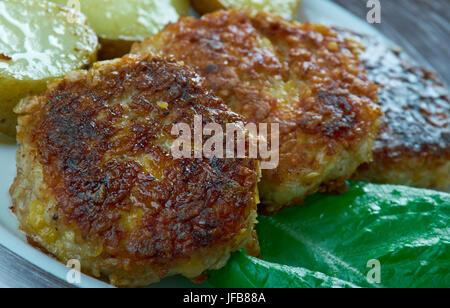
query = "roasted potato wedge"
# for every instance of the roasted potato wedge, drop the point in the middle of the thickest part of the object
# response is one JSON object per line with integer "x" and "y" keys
{"x": 119, "y": 23}
{"x": 286, "y": 8}
{"x": 39, "y": 41}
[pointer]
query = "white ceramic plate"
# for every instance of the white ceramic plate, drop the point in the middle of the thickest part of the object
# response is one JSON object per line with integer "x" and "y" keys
{"x": 322, "y": 11}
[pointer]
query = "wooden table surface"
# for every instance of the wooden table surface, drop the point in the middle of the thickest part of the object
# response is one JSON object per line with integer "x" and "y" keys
{"x": 421, "y": 27}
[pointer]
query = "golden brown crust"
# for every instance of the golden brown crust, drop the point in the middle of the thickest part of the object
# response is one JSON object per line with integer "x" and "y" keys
{"x": 101, "y": 141}
{"x": 413, "y": 143}
{"x": 301, "y": 76}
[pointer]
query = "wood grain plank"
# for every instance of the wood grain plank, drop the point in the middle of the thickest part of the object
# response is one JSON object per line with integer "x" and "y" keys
{"x": 420, "y": 27}
{"x": 19, "y": 273}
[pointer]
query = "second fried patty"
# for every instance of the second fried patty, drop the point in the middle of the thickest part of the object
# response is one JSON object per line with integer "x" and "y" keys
{"x": 301, "y": 76}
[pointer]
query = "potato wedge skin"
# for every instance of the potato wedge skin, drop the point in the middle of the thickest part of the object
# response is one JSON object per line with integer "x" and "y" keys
{"x": 207, "y": 6}
{"x": 39, "y": 42}
{"x": 111, "y": 49}
{"x": 286, "y": 8}
{"x": 11, "y": 92}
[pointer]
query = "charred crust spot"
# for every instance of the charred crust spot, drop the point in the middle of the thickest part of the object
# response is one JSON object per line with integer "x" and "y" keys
{"x": 337, "y": 112}
{"x": 91, "y": 134}
{"x": 211, "y": 68}
{"x": 5, "y": 57}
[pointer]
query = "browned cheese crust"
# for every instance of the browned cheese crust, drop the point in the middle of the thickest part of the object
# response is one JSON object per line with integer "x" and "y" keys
{"x": 413, "y": 144}
{"x": 302, "y": 76}
{"x": 97, "y": 182}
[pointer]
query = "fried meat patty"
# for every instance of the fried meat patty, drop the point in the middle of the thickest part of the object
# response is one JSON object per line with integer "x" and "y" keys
{"x": 97, "y": 182}
{"x": 302, "y": 76}
{"x": 413, "y": 145}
